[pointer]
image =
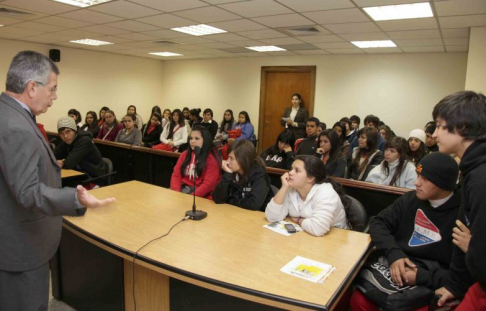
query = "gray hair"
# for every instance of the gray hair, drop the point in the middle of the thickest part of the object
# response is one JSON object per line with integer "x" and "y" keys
{"x": 29, "y": 66}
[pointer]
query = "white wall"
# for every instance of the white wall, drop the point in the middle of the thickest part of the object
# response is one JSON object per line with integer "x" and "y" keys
{"x": 399, "y": 88}
{"x": 476, "y": 63}
{"x": 90, "y": 80}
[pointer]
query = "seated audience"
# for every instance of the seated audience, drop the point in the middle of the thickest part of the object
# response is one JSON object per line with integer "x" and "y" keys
{"x": 413, "y": 239}
{"x": 206, "y": 169}
{"x": 245, "y": 182}
{"x": 152, "y": 130}
{"x": 416, "y": 142}
{"x": 350, "y": 132}
{"x": 321, "y": 127}
{"x": 245, "y": 126}
{"x": 330, "y": 154}
{"x": 340, "y": 129}
{"x": 109, "y": 130}
{"x": 371, "y": 121}
{"x": 309, "y": 198}
{"x": 77, "y": 150}
{"x": 355, "y": 122}
{"x": 76, "y": 115}
{"x": 280, "y": 155}
{"x": 130, "y": 134}
{"x": 139, "y": 121}
{"x": 396, "y": 170}
{"x": 365, "y": 157}
{"x": 103, "y": 110}
{"x": 386, "y": 132}
{"x": 186, "y": 112}
{"x": 194, "y": 116}
{"x": 308, "y": 145}
{"x": 91, "y": 124}
{"x": 430, "y": 140}
{"x": 174, "y": 134}
{"x": 166, "y": 118}
{"x": 226, "y": 125}
{"x": 209, "y": 123}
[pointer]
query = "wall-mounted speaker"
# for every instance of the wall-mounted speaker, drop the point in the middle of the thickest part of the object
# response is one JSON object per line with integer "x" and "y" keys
{"x": 55, "y": 55}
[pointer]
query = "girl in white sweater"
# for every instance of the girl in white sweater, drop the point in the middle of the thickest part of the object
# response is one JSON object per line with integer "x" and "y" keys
{"x": 310, "y": 198}
{"x": 396, "y": 170}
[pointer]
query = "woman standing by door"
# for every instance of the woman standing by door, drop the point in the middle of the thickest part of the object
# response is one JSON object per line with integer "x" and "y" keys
{"x": 295, "y": 117}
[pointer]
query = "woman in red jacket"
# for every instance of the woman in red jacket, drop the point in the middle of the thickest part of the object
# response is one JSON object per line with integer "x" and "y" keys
{"x": 206, "y": 166}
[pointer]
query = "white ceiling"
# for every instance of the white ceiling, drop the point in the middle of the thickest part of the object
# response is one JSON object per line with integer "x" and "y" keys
{"x": 137, "y": 26}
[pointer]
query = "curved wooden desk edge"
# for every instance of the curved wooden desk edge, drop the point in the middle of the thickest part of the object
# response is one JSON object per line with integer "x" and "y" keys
{"x": 215, "y": 285}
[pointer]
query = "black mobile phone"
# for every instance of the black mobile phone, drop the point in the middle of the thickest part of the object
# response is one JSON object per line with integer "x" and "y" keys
{"x": 290, "y": 228}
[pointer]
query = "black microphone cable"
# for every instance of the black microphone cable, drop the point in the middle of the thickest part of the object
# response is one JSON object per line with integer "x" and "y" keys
{"x": 136, "y": 253}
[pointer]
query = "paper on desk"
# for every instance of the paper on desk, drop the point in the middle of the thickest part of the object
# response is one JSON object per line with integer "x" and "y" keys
{"x": 308, "y": 269}
{"x": 279, "y": 227}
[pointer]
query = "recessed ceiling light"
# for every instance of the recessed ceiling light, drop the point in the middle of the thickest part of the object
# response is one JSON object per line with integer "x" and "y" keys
{"x": 82, "y": 3}
{"x": 91, "y": 42}
{"x": 374, "y": 44}
{"x": 1, "y": 25}
{"x": 166, "y": 54}
{"x": 268, "y": 48}
{"x": 402, "y": 11}
{"x": 199, "y": 30}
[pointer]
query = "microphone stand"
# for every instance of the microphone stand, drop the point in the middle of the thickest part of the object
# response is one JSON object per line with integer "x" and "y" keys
{"x": 196, "y": 214}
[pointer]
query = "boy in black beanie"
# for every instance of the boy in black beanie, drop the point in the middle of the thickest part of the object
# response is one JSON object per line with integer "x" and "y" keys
{"x": 417, "y": 228}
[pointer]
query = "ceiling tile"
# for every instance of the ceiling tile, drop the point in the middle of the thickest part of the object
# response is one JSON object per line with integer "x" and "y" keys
{"x": 42, "y": 6}
{"x": 217, "y": 45}
{"x": 214, "y": 52}
{"x": 37, "y": 39}
{"x": 455, "y": 48}
{"x": 62, "y": 22}
{"x": 225, "y": 37}
{"x": 335, "y": 45}
{"x": 105, "y": 30}
{"x": 278, "y": 41}
{"x": 236, "y": 50}
{"x": 316, "y": 5}
{"x": 207, "y": 15}
{"x": 136, "y": 37}
{"x": 194, "y": 40}
{"x": 256, "y": 8}
{"x": 353, "y": 27}
{"x": 247, "y": 43}
{"x": 144, "y": 44}
{"x": 262, "y": 34}
{"x": 456, "y": 41}
{"x": 462, "y": 21}
{"x": 382, "y": 50}
{"x": 460, "y": 7}
{"x": 114, "y": 39}
{"x": 367, "y": 36}
{"x": 57, "y": 37}
{"x": 215, "y": 2}
{"x": 311, "y": 52}
{"x": 171, "y": 6}
{"x": 367, "y": 3}
{"x": 456, "y": 33}
{"x": 286, "y": 20}
{"x": 415, "y": 34}
{"x": 166, "y": 21}
{"x": 20, "y": 31}
{"x": 408, "y": 24}
{"x": 23, "y": 17}
{"x": 91, "y": 17}
{"x": 301, "y": 46}
{"x": 7, "y": 20}
{"x": 190, "y": 47}
{"x": 124, "y": 9}
{"x": 282, "y": 53}
{"x": 338, "y": 16}
{"x": 238, "y": 25}
{"x": 78, "y": 33}
{"x": 418, "y": 42}
{"x": 38, "y": 26}
{"x": 318, "y": 39}
{"x": 345, "y": 51}
{"x": 132, "y": 26}
{"x": 423, "y": 49}
{"x": 166, "y": 33}
{"x": 5, "y": 35}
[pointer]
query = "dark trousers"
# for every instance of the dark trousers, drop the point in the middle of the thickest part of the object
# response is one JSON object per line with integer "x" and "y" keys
{"x": 25, "y": 290}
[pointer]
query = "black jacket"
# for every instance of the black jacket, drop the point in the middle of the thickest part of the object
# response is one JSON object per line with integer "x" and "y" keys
{"x": 153, "y": 138}
{"x": 212, "y": 127}
{"x": 300, "y": 118}
{"x": 82, "y": 155}
{"x": 94, "y": 130}
{"x": 470, "y": 267}
{"x": 337, "y": 167}
{"x": 411, "y": 228}
{"x": 253, "y": 195}
{"x": 308, "y": 146}
{"x": 353, "y": 170}
{"x": 277, "y": 159}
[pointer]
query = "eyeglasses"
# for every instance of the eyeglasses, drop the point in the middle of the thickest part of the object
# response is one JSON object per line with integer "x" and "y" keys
{"x": 51, "y": 90}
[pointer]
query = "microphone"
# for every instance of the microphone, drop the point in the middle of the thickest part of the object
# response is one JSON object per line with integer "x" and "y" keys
{"x": 195, "y": 214}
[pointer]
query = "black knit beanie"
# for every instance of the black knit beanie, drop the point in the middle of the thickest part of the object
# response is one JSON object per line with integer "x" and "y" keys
{"x": 441, "y": 169}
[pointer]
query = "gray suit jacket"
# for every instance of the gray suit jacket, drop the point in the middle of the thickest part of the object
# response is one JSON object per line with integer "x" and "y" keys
{"x": 31, "y": 198}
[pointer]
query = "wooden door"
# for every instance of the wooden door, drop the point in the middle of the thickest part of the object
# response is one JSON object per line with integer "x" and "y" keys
{"x": 277, "y": 86}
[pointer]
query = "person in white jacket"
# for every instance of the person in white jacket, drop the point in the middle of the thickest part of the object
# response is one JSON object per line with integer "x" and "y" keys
{"x": 310, "y": 198}
{"x": 175, "y": 132}
{"x": 396, "y": 170}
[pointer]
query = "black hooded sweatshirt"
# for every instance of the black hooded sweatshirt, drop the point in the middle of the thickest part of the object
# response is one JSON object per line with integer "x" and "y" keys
{"x": 470, "y": 267}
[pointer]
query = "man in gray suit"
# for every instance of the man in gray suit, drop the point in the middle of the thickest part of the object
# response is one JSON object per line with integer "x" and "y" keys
{"x": 31, "y": 199}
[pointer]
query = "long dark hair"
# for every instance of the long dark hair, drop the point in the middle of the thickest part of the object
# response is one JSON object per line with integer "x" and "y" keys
{"x": 231, "y": 122}
{"x": 195, "y": 112}
{"x": 342, "y": 125}
{"x": 419, "y": 154}
{"x": 400, "y": 144}
{"x": 77, "y": 114}
{"x": 247, "y": 117}
{"x": 115, "y": 122}
{"x": 207, "y": 148}
{"x": 134, "y": 108}
{"x": 247, "y": 158}
{"x": 286, "y": 137}
{"x": 335, "y": 152}
{"x": 371, "y": 143}
{"x": 315, "y": 168}
{"x": 172, "y": 125}
{"x": 388, "y": 132}
{"x": 95, "y": 119}
{"x": 149, "y": 123}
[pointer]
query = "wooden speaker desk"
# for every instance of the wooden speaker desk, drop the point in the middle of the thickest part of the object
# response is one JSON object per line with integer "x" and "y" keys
{"x": 229, "y": 252}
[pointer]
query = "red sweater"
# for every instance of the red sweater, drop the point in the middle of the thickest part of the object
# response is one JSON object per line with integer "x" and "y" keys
{"x": 205, "y": 184}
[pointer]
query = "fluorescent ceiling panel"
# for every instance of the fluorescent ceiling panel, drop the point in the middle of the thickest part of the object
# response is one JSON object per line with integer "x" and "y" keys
{"x": 83, "y": 3}
{"x": 268, "y": 48}
{"x": 374, "y": 44}
{"x": 402, "y": 11}
{"x": 165, "y": 54}
{"x": 199, "y": 30}
{"x": 91, "y": 42}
